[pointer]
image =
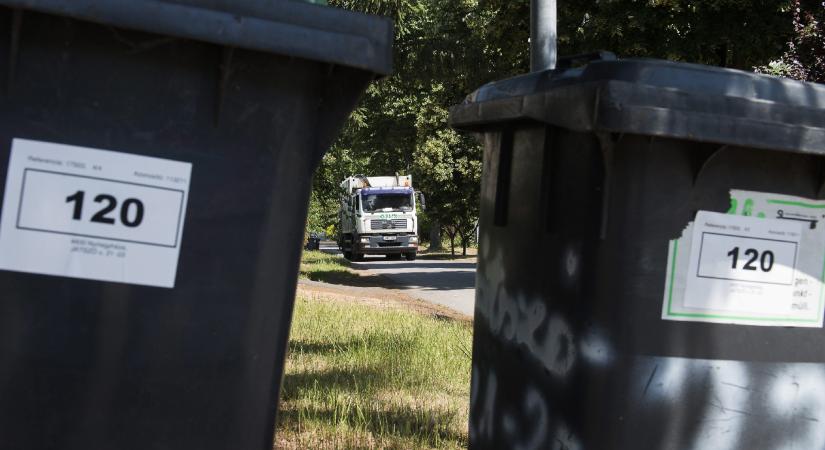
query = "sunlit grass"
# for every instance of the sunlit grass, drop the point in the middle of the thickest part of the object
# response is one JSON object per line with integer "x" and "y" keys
{"x": 320, "y": 266}
{"x": 364, "y": 377}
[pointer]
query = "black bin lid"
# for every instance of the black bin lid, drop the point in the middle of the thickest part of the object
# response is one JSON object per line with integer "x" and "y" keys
{"x": 290, "y": 28}
{"x": 657, "y": 98}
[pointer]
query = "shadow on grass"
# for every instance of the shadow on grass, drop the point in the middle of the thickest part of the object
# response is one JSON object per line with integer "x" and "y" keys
{"x": 349, "y": 279}
{"x": 430, "y": 426}
{"x": 407, "y": 267}
{"x": 371, "y": 342}
{"x": 424, "y": 280}
{"x": 427, "y": 427}
{"x": 333, "y": 380}
{"x": 333, "y": 276}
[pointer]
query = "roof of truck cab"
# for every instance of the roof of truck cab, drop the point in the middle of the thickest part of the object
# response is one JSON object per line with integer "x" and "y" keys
{"x": 387, "y": 190}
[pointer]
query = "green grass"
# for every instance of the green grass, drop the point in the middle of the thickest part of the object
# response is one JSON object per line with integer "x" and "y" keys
{"x": 365, "y": 377}
{"x": 320, "y": 266}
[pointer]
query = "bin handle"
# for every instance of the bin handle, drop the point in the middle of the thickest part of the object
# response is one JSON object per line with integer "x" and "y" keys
{"x": 566, "y": 62}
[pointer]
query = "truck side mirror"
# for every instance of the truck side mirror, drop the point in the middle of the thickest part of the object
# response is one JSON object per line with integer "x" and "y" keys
{"x": 422, "y": 201}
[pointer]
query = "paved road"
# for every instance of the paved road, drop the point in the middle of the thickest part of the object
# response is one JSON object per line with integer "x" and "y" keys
{"x": 443, "y": 282}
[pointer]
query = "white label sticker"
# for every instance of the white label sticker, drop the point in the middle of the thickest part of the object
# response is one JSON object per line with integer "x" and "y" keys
{"x": 736, "y": 257}
{"x": 743, "y": 265}
{"x": 757, "y": 268}
{"x": 93, "y": 214}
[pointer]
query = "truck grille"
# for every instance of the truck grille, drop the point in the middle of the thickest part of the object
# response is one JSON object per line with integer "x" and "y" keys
{"x": 381, "y": 224}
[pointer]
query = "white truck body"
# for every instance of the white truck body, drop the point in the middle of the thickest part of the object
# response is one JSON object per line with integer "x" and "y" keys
{"x": 377, "y": 216}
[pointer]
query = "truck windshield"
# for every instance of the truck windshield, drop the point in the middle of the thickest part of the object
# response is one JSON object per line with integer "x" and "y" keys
{"x": 387, "y": 202}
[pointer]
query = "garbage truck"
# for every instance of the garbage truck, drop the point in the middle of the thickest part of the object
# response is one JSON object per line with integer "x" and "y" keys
{"x": 377, "y": 217}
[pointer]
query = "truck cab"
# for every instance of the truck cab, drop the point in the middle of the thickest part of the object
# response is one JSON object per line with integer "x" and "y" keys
{"x": 377, "y": 217}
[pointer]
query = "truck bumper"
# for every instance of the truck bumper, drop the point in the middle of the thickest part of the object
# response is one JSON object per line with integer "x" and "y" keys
{"x": 378, "y": 245}
{"x": 387, "y": 250}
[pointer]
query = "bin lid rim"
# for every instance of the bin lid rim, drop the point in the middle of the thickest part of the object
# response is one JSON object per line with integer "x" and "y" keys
{"x": 657, "y": 98}
{"x": 290, "y": 28}
{"x": 688, "y": 77}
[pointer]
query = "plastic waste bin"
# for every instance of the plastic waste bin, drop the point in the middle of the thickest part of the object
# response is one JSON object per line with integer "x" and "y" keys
{"x": 157, "y": 158}
{"x": 592, "y": 174}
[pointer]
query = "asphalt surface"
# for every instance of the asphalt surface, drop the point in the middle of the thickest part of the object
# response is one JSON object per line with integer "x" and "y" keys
{"x": 449, "y": 283}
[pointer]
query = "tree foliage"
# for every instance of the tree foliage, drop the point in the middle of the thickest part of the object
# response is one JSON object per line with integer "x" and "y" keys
{"x": 804, "y": 56}
{"x": 400, "y": 125}
{"x": 728, "y": 33}
{"x": 444, "y": 50}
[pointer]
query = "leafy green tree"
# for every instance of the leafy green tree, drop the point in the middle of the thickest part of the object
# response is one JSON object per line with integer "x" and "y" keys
{"x": 729, "y": 33}
{"x": 804, "y": 57}
{"x": 401, "y": 126}
{"x": 443, "y": 50}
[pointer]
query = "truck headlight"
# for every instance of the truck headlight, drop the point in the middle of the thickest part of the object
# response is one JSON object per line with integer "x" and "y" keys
{"x": 365, "y": 240}
{"x": 413, "y": 239}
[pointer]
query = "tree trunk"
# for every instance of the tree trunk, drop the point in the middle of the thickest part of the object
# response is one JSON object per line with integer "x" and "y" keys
{"x": 722, "y": 54}
{"x": 435, "y": 236}
{"x": 465, "y": 240}
{"x": 452, "y": 244}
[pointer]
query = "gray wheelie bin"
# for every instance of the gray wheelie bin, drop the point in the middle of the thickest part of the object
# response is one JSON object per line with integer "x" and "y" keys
{"x": 156, "y": 158}
{"x": 651, "y": 260}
